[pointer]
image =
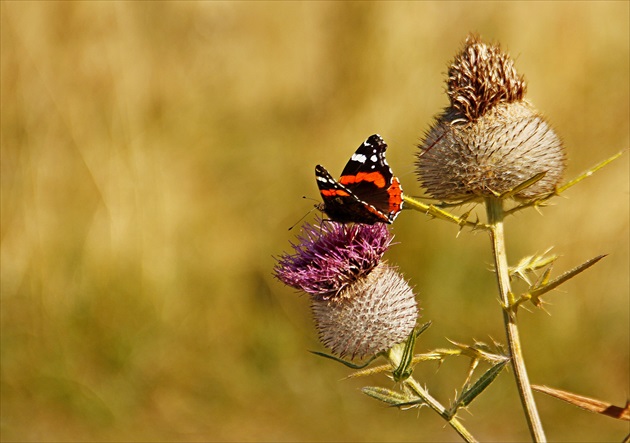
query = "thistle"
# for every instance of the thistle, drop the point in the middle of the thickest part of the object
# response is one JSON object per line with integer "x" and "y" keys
{"x": 489, "y": 140}
{"x": 489, "y": 145}
{"x": 361, "y": 305}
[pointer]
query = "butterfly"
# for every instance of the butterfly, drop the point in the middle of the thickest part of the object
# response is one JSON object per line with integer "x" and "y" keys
{"x": 367, "y": 191}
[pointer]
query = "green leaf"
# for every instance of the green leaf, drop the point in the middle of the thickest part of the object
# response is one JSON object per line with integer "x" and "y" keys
{"x": 479, "y": 386}
{"x": 389, "y": 396}
{"x": 393, "y": 398}
{"x": 405, "y": 369}
{"x": 344, "y": 362}
{"x": 423, "y": 328}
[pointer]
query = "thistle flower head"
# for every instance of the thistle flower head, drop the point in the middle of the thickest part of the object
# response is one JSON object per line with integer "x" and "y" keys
{"x": 489, "y": 140}
{"x": 480, "y": 77}
{"x": 361, "y": 305}
{"x": 374, "y": 313}
{"x": 330, "y": 256}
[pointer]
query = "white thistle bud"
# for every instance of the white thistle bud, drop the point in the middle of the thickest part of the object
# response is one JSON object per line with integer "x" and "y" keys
{"x": 369, "y": 316}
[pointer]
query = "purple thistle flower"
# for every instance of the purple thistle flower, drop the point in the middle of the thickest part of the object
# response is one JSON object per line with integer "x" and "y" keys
{"x": 331, "y": 255}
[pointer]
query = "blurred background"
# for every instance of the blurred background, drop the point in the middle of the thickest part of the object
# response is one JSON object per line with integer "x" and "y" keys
{"x": 155, "y": 154}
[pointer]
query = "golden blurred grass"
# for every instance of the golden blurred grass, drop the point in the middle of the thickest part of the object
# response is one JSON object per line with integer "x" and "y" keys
{"x": 154, "y": 154}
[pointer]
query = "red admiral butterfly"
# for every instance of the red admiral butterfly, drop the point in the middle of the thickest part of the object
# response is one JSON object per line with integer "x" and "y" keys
{"x": 367, "y": 191}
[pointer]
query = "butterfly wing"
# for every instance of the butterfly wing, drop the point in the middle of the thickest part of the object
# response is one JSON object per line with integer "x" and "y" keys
{"x": 368, "y": 176}
{"x": 367, "y": 191}
{"x": 342, "y": 205}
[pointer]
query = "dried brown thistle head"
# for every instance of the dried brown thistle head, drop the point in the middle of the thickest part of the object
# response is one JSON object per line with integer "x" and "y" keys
{"x": 489, "y": 140}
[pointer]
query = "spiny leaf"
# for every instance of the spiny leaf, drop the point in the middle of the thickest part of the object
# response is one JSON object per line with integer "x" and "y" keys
{"x": 347, "y": 363}
{"x": 423, "y": 328}
{"x": 371, "y": 371}
{"x": 541, "y": 201}
{"x": 389, "y": 396}
{"x": 530, "y": 264}
{"x": 544, "y": 278}
{"x": 588, "y": 173}
{"x": 539, "y": 290}
{"x": 386, "y": 368}
{"x": 405, "y": 369}
{"x": 411, "y": 404}
{"x": 587, "y": 403}
{"x": 435, "y": 355}
{"x": 479, "y": 386}
{"x": 479, "y": 351}
{"x": 526, "y": 184}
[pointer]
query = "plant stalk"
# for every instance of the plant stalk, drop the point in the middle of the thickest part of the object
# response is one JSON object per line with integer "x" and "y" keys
{"x": 495, "y": 212}
{"x": 423, "y": 394}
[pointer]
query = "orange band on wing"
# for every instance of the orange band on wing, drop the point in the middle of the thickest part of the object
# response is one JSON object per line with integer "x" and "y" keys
{"x": 395, "y": 196}
{"x": 373, "y": 177}
{"x": 333, "y": 193}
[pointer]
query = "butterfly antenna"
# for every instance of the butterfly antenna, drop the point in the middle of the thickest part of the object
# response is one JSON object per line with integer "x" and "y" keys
{"x": 310, "y": 198}
{"x": 307, "y": 214}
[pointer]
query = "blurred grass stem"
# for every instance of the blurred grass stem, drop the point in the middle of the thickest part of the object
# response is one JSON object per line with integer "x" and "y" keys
{"x": 495, "y": 212}
{"x": 395, "y": 358}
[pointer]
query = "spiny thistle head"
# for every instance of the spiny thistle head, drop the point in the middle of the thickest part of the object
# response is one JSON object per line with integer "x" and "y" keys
{"x": 489, "y": 140}
{"x": 373, "y": 314}
{"x": 361, "y": 305}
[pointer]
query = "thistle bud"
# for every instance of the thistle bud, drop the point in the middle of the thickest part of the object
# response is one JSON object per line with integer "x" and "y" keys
{"x": 489, "y": 140}
{"x": 371, "y": 315}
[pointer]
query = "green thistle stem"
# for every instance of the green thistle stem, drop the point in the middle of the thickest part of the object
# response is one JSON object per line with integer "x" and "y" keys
{"x": 495, "y": 212}
{"x": 394, "y": 358}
